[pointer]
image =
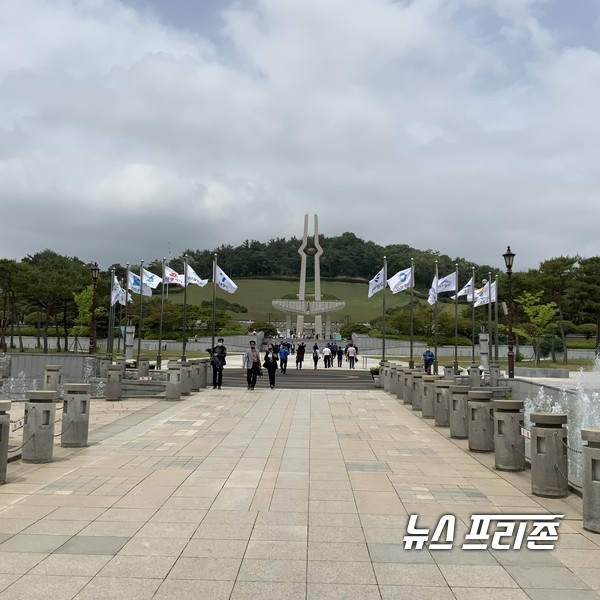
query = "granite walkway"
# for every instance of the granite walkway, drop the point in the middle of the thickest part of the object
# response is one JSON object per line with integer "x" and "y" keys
{"x": 274, "y": 494}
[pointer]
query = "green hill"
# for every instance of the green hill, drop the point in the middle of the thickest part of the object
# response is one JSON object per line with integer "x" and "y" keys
{"x": 256, "y": 295}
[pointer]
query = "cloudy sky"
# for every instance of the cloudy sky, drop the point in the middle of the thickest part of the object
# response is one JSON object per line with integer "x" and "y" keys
{"x": 131, "y": 128}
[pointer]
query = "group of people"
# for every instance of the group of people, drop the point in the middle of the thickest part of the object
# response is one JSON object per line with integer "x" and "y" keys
{"x": 329, "y": 354}
{"x": 276, "y": 357}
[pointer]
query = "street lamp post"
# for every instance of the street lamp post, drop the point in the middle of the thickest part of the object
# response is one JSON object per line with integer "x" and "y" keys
{"x": 95, "y": 270}
{"x": 509, "y": 258}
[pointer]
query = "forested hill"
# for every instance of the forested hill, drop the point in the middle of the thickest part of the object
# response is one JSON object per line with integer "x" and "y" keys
{"x": 345, "y": 257}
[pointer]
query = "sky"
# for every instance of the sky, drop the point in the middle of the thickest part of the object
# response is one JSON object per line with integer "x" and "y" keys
{"x": 136, "y": 129}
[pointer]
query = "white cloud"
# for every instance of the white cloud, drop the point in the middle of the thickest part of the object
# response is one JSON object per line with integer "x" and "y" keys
{"x": 466, "y": 119}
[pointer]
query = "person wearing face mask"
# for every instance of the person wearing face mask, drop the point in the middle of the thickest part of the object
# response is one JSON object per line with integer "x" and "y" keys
{"x": 270, "y": 364}
{"x": 218, "y": 362}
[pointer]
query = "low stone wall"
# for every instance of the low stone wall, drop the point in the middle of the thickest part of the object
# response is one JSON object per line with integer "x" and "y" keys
{"x": 540, "y": 372}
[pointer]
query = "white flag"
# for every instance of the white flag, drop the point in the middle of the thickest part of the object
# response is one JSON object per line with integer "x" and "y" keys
{"x": 150, "y": 279}
{"x": 494, "y": 292}
{"x": 482, "y": 295}
{"x": 447, "y": 284}
{"x": 117, "y": 293}
{"x": 433, "y": 291}
{"x": 376, "y": 284}
{"x": 192, "y": 277}
{"x": 171, "y": 276}
{"x": 133, "y": 283}
{"x": 466, "y": 290}
{"x": 224, "y": 282}
{"x": 401, "y": 281}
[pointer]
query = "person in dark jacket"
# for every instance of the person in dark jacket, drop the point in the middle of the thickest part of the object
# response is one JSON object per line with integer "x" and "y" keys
{"x": 270, "y": 364}
{"x": 218, "y": 362}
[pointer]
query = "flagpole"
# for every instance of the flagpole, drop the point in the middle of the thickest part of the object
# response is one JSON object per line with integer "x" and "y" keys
{"x": 160, "y": 326}
{"x": 456, "y": 322}
{"x": 185, "y": 284}
{"x": 214, "y": 307}
{"x": 111, "y": 316}
{"x": 126, "y": 313}
{"x": 435, "y": 322}
{"x": 473, "y": 316}
{"x": 496, "y": 319}
{"x": 139, "y": 348}
{"x": 490, "y": 329}
{"x": 383, "y": 305}
{"x": 411, "y": 362}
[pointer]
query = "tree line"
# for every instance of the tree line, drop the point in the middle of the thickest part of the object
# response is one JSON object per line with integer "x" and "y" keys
{"x": 53, "y": 293}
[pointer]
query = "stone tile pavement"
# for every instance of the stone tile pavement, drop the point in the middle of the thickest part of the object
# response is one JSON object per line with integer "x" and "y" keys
{"x": 274, "y": 494}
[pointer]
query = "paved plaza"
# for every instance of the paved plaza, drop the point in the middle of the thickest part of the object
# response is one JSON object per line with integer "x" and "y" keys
{"x": 273, "y": 494}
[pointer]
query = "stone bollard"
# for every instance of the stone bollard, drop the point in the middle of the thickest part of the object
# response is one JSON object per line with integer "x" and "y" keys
{"x": 428, "y": 397}
{"x": 509, "y": 444}
{"x": 38, "y": 431}
{"x": 195, "y": 381}
{"x": 122, "y": 362}
{"x": 143, "y": 366}
{"x": 173, "y": 391}
{"x": 407, "y": 397}
{"x": 53, "y": 379}
{"x": 103, "y": 364}
{"x": 76, "y": 415}
{"x": 449, "y": 372}
{"x": 417, "y": 397}
{"x": 186, "y": 378}
{"x": 400, "y": 382}
{"x": 441, "y": 407}
{"x": 591, "y": 479}
{"x": 204, "y": 367}
{"x": 481, "y": 421}
{"x": 475, "y": 376}
{"x": 392, "y": 379}
{"x": 459, "y": 411}
{"x": 549, "y": 466}
{"x": 4, "y": 434}
{"x": 114, "y": 382}
{"x": 494, "y": 374}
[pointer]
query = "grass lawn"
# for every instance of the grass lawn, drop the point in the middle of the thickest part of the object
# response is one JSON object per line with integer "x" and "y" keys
{"x": 256, "y": 295}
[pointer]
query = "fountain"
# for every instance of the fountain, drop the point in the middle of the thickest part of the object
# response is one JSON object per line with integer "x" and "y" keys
{"x": 14, "y": 388}
{"x": 581, "y": 404}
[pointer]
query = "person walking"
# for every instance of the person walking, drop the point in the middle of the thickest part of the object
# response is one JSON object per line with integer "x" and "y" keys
{"x": 218, "y": 361}
{"x": 327, "y": 356}
{"x": 283, "y": 358}
{"x": 300, "y": 355}
{"x": 251, "y": 362}
{"x": 340, "y": 355}
{"x": 270, "y": 364}
{"x": 316, "y": 355}
{"x": 428, "y": 360}
{"x": 351, "y": 353}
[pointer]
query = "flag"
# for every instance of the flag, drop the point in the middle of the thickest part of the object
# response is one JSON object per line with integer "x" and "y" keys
{"x": 171, "y": 276}
{"x": 447, "y": 284}
{"x": 466, "y": 290}
{"x": 117, "y": 293}
{"x": 487, "y": 294}
{"x": 192, "y": 277}
{"x": 223, "y": 281}
{"x": 133, "y": 284}
{"x": 482, "y": 295}
{"x": 433, "y": 291}
{"x": 150, "y": 279}
{"x": 401, "y": 281}
{"x": 376, "y": 284}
